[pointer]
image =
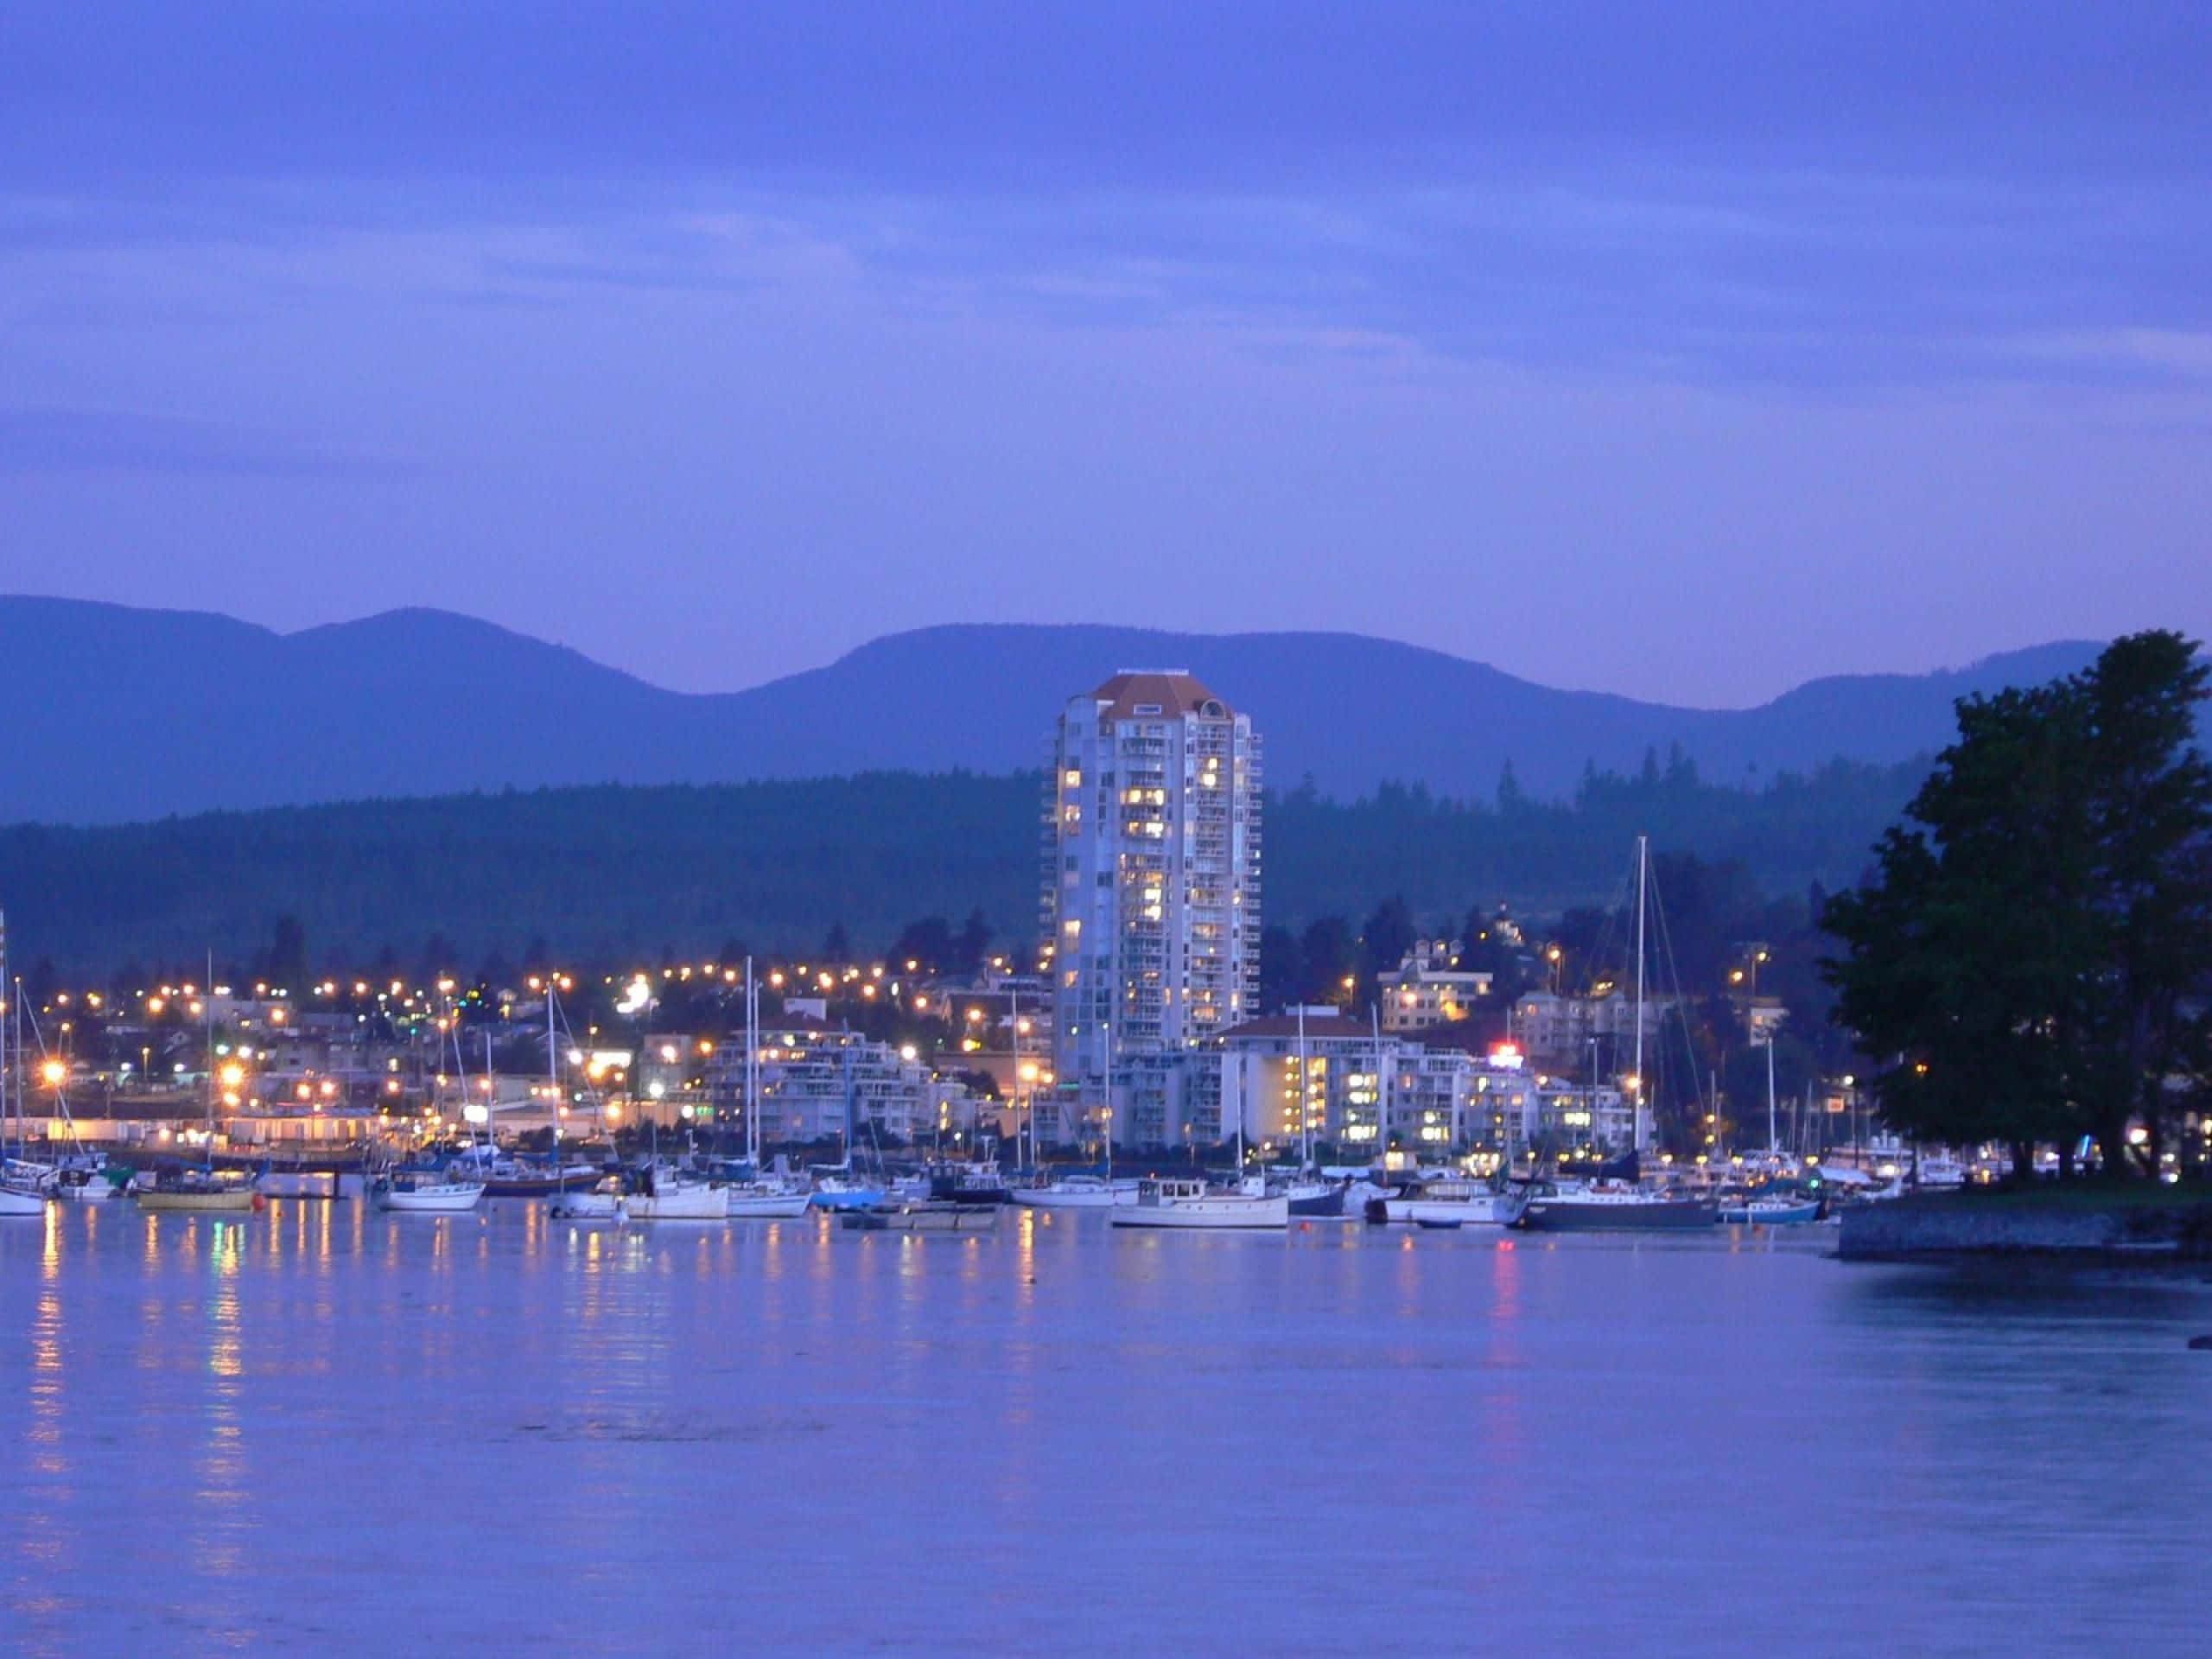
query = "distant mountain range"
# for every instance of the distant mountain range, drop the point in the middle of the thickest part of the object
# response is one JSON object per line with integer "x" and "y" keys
{"x": 114, "y": 714}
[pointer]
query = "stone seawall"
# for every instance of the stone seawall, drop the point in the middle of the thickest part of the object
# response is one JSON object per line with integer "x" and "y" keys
{"x": 1974, "y": 1225}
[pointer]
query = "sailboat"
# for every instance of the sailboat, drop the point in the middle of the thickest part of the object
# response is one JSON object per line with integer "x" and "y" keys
{"x": 1773, "y": 1207}
{"x": 579, "y": 1194}
{"x": 22, "y": 1192}
{"x": 1074, "y": 1190}
{"x": 417, "y": 1189}
{"x": 1621, "y": 1205}
{"x": 199, "y": 1186}
{"x": 762, "y": 1198}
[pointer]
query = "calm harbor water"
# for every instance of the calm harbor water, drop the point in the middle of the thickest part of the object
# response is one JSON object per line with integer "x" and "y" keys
{"x": 327, "y": 1429}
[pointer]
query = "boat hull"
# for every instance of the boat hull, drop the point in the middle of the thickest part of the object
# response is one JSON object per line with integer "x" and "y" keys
{"x": 704, "y": 1204}
{"x": 444, "y": 1200}
{"x": 1054, "y": 1197}
{"x": 1584, "y": 1216}
{"x": 13, "y": 1202}
{"x": 1493, "y": 1210}
{"x": 931, "y": 1217}
{"x": 768, "y": 1206}
{"x": 1316, "y": 1207}
{"x": 229, "y": 1203}
{"x": 585, "y": 1206}
{"x": 1785, "y": 1215}
{"x": 1223, "y": 1212}
{"x": 849, "y": 1198}
{"x": 522, "y": 1187}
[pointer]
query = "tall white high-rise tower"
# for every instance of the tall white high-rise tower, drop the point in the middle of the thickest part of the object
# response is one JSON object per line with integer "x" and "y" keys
{"x": 1152, "y": 895}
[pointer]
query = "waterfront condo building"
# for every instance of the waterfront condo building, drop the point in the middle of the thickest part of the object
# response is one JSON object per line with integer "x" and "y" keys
{"x": 1151, "y": 898}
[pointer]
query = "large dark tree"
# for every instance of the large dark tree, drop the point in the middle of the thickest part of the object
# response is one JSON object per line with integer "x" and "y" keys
{"x": 2025, "y": 963}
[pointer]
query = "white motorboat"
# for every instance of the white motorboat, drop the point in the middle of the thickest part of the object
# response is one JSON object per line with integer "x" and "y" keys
{"x": 409, "y": 1192}
{"x": 1193, "y": 1204}
{"x": 1076, "y": 1193}
{"x": 20, "y": 1201}
{"x": 83, "y": 1185}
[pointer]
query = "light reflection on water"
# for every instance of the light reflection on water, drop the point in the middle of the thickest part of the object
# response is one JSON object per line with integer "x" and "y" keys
{"x": 320, "y": 1425}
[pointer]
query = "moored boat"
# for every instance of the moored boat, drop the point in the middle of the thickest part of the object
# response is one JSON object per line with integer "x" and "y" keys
{"x": 844, "y": 1191}
{"x": 421, "y": 1191}
{"x": 1074, "y": 1192}
{"x": 766, "y": 1200}
{"x": 931, "y": 1215}
{"x": 1195, "y": 1205}
{"x": 602, "y": 1201}
{"x": 514, "y": 1177}
{"x": 1771, "y": 1209}
{"x": 974, "y": 1183}
{"x": 1451, "y": 1199}
{"x": 1613, "y": 1209}
{"x": 82, "y": 1184}
{"x": 665, "y": 1195}
{"x": 194, "y": 1187}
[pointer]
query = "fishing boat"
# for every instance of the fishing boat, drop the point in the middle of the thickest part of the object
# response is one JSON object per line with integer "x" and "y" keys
{"x": 1182, "y": 1203}
{"x": 1446, "y": 1198}
{"x": 666, "y": 1194}
{"x": 424, "y": 1192}
{"x": 1074, "y": 1192}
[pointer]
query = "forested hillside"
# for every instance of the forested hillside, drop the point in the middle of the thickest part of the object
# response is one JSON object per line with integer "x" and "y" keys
{"x": 600, "y": 873}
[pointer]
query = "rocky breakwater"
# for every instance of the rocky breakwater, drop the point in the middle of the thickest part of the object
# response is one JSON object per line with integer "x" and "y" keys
{"x": 2060, "y": 1223}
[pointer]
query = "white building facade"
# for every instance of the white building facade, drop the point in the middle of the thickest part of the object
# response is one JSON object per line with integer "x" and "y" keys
{"x": 1151, "y": 898}
{"x": 1429, "y": 988}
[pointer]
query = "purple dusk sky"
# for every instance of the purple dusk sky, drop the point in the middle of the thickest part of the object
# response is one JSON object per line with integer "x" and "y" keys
{"x": 1684, "y": 351}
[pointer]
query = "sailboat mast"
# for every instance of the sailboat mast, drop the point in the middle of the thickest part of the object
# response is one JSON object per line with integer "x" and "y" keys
{"x": 1643, "y": 857}
{"x": 752, "y": 1072}
{"x": 7, "y": 1011}
{"x": 553, "y": 1074}
{"x": 206, "y": 1007}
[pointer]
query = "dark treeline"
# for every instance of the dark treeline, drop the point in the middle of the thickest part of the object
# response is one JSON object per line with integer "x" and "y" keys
{"x": 2032, "y": 962}
{"x": 611, "y": 873}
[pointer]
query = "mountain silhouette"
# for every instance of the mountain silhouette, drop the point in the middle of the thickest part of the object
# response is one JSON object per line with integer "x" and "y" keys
{"x": 116, "y": 713}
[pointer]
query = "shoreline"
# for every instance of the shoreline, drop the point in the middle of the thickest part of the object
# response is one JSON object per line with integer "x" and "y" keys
{"x": 2100, "y": 1226}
